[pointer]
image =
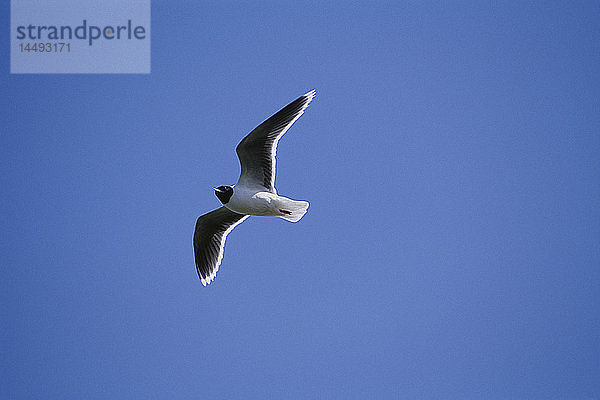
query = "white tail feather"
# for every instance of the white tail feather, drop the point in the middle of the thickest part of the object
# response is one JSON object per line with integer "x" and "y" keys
{"x": 293, "y": 210}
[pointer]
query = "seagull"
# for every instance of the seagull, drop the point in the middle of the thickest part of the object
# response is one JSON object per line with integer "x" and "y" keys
{"x": 254, "y": 193}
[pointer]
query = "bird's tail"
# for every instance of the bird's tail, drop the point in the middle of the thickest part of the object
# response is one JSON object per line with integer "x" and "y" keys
{"x": 293, "y": 210}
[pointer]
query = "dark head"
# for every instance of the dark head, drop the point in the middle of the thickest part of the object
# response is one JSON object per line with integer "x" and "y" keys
{"x": 224, "y": 193}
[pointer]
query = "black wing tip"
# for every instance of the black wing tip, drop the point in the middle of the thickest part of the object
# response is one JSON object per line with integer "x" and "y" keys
{"x": 299, "y": 105}
{"x": 204, "y": 277}
{"x": 310, "y": 95}
{"x": 206, "y": 281}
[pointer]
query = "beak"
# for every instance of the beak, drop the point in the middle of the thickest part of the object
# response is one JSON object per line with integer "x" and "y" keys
{"x": 216, "y": 189}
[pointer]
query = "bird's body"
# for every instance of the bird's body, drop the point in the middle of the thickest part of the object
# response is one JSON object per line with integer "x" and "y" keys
{"x": 255, "y": 192}
{"x": 266, "y": 204}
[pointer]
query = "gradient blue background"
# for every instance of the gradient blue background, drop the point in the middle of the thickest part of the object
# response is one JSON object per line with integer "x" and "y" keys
{"x": 451, "y": 250}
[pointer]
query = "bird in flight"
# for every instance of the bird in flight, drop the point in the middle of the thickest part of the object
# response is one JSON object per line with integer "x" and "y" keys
{"x": 254, "y": 193}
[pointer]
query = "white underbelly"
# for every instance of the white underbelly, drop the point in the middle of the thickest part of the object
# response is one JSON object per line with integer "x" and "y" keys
{"x": 254, "y": 203}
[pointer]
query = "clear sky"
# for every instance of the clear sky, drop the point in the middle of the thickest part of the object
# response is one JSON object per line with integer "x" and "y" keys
{"x": 451, "y": 250}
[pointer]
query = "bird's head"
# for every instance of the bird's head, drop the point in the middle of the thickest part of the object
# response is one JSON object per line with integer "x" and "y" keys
{"x": 224, "y": 193}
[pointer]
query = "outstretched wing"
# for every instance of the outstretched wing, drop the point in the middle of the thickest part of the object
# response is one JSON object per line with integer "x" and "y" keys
{"x": 209, "y": 239}
{"x": 257, "y": 150}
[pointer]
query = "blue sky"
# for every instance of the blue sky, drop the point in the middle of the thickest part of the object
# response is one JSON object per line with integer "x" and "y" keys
{"x": 451, "y": 250}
